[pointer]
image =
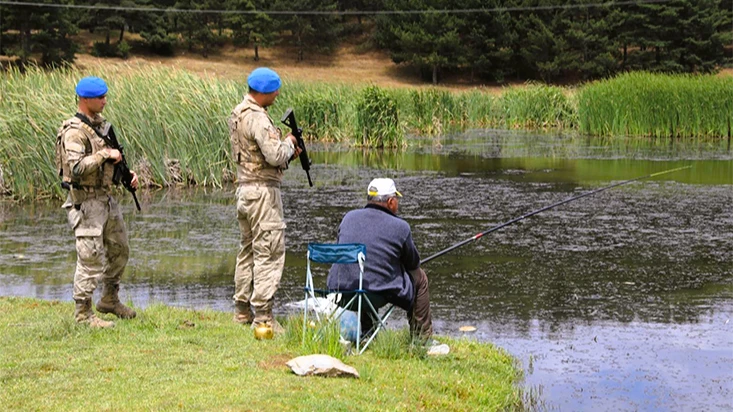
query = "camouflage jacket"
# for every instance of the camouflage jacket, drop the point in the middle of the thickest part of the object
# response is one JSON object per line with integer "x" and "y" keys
{"x": 83, "y": 160}
{"x": 258, "y": 149}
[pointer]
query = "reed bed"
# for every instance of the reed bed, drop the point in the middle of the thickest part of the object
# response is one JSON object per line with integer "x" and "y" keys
{"x": 657, "y": 105}
{"x": 434, "y": 110}
{"x": 535, "y": 107}
{"x": 377, "y": 119}
{"x": 173, "y": 123}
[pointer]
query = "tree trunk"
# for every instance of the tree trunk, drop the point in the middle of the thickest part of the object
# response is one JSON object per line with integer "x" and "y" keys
{"x": 257, "y": 52}
{"x": 435, "y": 74}
{"x": 1, "y": 33}
{"x": 623, "y": 62}
{"x": 122, "y": 34}
{"x": 300, "y": 49}
{"x": 106, "y": 39}
{"x": 25, "y": 41}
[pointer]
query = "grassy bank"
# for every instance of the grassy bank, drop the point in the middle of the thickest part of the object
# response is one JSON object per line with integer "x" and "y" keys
{"x": 171, "y": 358}
{"x": 173, "y": 122}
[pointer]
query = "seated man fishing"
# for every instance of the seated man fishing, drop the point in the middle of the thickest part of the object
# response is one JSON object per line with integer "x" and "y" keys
{"x": 392, "y": 270}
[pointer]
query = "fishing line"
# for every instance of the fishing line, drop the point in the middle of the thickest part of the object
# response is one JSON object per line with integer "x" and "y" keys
{"x": 515, "y": 220}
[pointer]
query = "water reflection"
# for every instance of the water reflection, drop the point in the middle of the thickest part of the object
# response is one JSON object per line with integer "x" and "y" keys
{"x": 591, "y": 293}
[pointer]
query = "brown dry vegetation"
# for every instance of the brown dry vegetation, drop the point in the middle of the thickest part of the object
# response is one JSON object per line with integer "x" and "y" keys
{"x": 351, "y": 63}
{"x": 348, "y": 65}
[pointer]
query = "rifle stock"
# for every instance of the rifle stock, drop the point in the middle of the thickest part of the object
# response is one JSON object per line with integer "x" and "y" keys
{"x": 288, "y": 119}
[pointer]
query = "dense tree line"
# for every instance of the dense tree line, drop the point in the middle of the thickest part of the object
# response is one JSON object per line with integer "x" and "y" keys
{"x": 527, "y": 39}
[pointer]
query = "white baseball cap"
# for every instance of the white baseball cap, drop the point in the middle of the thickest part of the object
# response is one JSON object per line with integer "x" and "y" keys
{"x": 381, "y": 187}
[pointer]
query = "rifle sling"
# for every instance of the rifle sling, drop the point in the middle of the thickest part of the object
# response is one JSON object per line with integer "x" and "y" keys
{"x": 112, "y": 142}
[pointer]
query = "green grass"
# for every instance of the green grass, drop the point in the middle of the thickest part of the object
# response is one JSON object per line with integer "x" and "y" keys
{"x": 172, "y": 358}
{"x": 166, "y": 117}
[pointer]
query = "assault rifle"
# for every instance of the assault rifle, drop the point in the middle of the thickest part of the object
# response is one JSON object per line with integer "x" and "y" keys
{"x": 122, "y": 172}
{"x": 288, "y": 119}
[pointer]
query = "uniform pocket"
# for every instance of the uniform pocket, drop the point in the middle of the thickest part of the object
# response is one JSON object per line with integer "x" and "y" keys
{"x": 92, "y": 216}
{"x": 272, "y": 241}
{"x": 74, "y": 217}
{"x": 252, "y": 194}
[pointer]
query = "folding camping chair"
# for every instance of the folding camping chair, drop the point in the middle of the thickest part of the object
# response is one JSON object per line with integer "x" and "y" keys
{"x": 316, "y": 298}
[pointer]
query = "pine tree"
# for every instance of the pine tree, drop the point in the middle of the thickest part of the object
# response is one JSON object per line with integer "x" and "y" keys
{"x": 41, "y": 30}
{"x": 684, "y": 36}
{"x": 486, "y": 38}
{"x": 430, "y": 42}
{"x": 310, "y": 32}
{"x": 250, "y": 29}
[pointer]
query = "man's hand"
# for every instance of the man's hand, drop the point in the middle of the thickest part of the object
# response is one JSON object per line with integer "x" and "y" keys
{"x": 114, "y": 155}
{"x": 133, "y": 183}
{"x": 298, "y": 150}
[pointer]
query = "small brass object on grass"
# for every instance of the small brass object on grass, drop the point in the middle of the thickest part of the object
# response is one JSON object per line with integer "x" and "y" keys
{"x": 263, "y": 332}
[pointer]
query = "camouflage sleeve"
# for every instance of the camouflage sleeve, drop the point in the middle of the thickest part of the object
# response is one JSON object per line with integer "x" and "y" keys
{"x": 277, "y": 152}
{"x": 78, "y": 161}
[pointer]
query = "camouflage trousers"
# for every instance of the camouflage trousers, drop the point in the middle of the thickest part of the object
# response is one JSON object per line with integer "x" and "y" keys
{"x": 261, "y": 257}
{"x": 102, "y": 248}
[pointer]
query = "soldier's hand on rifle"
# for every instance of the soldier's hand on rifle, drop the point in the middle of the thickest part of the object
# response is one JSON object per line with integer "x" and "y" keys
{"x": 298, "y": 150}
{"x": 114, "y": 155}
{"x": 133, "y": 183}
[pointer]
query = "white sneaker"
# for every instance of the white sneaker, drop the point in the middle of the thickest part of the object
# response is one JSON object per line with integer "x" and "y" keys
{"x": 437, "y": 348}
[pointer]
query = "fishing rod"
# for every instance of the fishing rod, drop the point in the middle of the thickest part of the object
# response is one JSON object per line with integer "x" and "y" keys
{"x": 515, "y": 220}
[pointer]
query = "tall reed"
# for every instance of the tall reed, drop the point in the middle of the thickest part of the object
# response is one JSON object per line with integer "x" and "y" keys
{"x": 319, "y": 111}
{"x": 434, "y": 110}
{"x": 172, "y": 119}
{"x": 377, "y": 119}
{"x": 534, "y": 106}
{"x": 658, "y": 105}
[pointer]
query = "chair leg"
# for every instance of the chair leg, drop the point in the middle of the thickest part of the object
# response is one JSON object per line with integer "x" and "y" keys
{"x": 375, "y": 326}
{"x": 305, "y": 318}
{"x": 379, "y": 326}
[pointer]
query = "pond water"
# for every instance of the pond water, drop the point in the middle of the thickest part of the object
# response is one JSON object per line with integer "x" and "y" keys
{"x": 618, "y": 301}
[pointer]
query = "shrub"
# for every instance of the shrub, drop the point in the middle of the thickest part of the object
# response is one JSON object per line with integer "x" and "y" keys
{"x": 102, "y": 49}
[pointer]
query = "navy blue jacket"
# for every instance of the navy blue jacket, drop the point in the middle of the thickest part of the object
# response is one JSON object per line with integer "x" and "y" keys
{"x": 390, "y": 254}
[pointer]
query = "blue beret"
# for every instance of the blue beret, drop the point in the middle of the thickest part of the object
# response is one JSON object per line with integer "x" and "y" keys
{"x": 91, "y": 87}
{"x": 263, "y": 80}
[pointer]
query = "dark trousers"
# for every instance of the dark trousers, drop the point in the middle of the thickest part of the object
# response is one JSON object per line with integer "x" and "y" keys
{"x": 419, "y": 317}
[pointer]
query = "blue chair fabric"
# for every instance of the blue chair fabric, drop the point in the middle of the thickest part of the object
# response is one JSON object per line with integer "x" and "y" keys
{"x": 336, "y": 253}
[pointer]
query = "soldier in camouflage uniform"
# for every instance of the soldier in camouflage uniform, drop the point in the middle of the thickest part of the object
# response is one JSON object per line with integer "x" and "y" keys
{"x": 86, "y": 164}
{"x": 261, "y": 155}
